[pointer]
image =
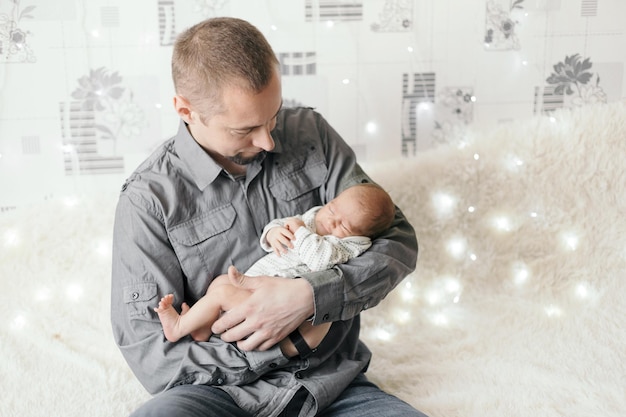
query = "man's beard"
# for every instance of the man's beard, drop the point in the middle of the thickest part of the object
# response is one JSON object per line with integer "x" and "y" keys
{"x": 241, "y": 160}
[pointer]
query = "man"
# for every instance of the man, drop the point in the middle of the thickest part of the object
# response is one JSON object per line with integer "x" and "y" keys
{"x": 199, "y": 204}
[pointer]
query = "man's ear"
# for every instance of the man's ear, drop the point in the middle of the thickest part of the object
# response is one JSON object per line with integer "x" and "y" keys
{"x": 184, "y": 110}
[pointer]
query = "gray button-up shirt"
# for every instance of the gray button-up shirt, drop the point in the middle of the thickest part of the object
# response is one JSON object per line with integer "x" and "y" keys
{"x": 181, "y": 221}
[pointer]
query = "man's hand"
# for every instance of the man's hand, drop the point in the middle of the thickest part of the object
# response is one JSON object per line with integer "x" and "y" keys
{"x": 276, "y": 307}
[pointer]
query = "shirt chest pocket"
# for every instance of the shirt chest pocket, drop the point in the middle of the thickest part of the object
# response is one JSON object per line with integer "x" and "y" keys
{"x": 295, "y": 189}
{"x": 200, "y": 244}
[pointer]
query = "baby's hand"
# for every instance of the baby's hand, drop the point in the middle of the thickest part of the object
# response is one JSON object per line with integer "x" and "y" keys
{"x": 279, "y": 239}
{"x": 293, "y": 224}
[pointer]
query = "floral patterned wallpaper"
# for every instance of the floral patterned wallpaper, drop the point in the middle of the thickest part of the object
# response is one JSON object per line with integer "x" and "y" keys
{"x": 85, "y": 88}
{"x": 572, "y": 78}
{"x": 14, "y": 45}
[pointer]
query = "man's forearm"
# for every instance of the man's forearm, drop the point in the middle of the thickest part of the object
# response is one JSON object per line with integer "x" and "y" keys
{"x": 143, "y": 266}
{"x": 344, "y": 291}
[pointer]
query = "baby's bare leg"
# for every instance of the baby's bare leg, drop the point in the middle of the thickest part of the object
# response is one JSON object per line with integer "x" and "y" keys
{"x": 224, "y": 297}
{"x": 196, "y": 320}
{"x": 203, "y": 333}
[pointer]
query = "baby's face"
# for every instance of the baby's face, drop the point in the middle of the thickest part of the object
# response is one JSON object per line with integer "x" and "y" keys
{"x": 339, "y": 217}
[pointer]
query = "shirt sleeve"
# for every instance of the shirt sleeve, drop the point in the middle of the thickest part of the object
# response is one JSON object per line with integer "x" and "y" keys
{"x": 324, "y": 252}
{"x": 345, "y": 290}
{"x": 145, "y": 267}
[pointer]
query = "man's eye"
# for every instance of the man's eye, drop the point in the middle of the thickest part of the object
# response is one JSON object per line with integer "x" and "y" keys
{"x": 239, "y": 132}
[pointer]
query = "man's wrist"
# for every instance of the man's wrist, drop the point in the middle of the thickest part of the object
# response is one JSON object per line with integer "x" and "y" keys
{"x": 288, "y": 348}
{"x": 306, "y": 287}
{"x": 304, "y": 350}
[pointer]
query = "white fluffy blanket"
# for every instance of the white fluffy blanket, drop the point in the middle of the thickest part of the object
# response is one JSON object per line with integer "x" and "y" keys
{"x": 516, "y": 307}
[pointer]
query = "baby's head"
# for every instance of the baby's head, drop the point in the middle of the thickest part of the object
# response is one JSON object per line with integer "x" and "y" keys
{"x": 361, "y": 210}
{"x": 377, "y": 210}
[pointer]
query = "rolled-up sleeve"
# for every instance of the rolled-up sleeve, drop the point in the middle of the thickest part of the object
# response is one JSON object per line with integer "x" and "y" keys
{"x": 145, "y": 267}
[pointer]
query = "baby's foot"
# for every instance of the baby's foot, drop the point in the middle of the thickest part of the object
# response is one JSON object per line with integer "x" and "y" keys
{"x": 169, "y": 318}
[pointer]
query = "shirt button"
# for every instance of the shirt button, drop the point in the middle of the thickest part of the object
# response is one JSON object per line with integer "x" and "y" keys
{"x": 326, "y": 317}
{"x": 219, "y": 381}
{"x": 135, "y": 295}
{"x": 298, "y": 375}
{"x": 273, "y": 365}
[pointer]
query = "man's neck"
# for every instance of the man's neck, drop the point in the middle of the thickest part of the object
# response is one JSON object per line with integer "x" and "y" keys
{"x": 227, "y": 165}
{"x": 234, "y": 169}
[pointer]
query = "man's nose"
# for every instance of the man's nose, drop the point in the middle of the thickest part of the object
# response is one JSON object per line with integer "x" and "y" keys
{"x": 263, "y": 139}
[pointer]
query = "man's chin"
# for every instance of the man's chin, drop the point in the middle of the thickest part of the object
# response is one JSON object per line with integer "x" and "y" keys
{"x": 246, "y": 160}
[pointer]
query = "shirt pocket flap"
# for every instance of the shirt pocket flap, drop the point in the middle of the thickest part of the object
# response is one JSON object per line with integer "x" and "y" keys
{"x": 140, "y": 292}
{"x": 299, "y": 182}
{"x": 205, "y": 226}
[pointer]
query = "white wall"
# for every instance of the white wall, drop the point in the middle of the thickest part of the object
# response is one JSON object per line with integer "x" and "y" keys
{"x": 393, "y": 77}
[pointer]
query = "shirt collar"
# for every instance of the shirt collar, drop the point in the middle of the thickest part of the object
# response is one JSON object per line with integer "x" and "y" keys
{"x": 203, "y": 168}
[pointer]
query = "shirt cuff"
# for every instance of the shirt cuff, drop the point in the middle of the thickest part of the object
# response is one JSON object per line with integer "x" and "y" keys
{"x": 327, "y": 295}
